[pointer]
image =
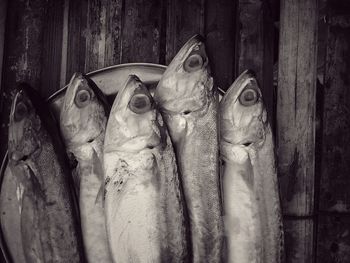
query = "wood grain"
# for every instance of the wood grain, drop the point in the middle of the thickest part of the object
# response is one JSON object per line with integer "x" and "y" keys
{"x": 52, "y": 46}
{"x": 335, "y": 180}
{"x": 220, "y": 17}
{"x": 298, "y": 240}
{"x": 142, "y": 27}
{"x": 184, "y": 19}
{"x": 333, "y": 239}
{"x": 255, "y": 45}
{"x": 3, "y": 11}
{"x": 76, "y": 39}
{"x": 296, "y": 99}
{"x": 296, "y": 105}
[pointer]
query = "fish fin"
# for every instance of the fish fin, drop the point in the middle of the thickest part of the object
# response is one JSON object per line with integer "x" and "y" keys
{"x": 100, "y": 195}
{"x": 98, "y": 170}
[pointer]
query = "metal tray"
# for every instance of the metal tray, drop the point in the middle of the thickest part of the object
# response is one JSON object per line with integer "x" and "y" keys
{"x": 110, "y": 81}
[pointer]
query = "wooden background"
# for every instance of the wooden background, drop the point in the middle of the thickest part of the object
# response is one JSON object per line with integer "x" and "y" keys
{"x": 300, "y": 50}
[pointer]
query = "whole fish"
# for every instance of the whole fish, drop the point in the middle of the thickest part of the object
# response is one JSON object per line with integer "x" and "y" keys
{"x": 83, "y": 122}
{"x": 49, "y": 220}
{"x": 10, "y": 217}
{"x": 189, "y": 104}
{"x": 143, "y": 201}
{"x": 252, "y": 211}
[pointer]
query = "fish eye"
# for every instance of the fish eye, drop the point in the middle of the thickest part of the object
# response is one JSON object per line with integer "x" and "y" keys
{"x": 193, "y": 63}
{"x": 82, "y": 98}
{"x": 21, "y": 111}
{"x": 140, "y": 103}
{"x": 249, "y": 97}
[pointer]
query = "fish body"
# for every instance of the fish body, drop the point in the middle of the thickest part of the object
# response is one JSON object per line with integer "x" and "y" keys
{"x": 48, "y": 217}
{"x": 83, "y": 122}
{"x": 143, "y": 201}
{"x": 10, "y": 217}
{"x": 253, "y": 223}
{"x": 189, "y": 105}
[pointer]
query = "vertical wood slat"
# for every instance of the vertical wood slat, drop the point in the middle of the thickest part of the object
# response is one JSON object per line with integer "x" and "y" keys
{"x": 76, "y": 40}
{"x": 52, "y": 46}
{"x": 184, "y": 19}
{"x": 255, "y": 45}
{"x": 333, "y": 240}
{"x": 220, "y": 40}
{"x": 3, "y": 8}
{"x": 296, "y": 121}
{"x": 335, "y": 180}
{"x": 22, "y": 54}
{"x": 142, "y": 26}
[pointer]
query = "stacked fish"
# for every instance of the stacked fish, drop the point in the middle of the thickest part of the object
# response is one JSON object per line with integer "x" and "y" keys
{"x": 166, "y": 177}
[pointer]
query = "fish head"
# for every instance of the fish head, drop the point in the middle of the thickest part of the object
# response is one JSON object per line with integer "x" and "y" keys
{"x": 133, "y": 123}
{"x": 243, "y": 117}
{"x": 186, "y": 84}
{"x": 83, "y": 116}
{"x": 24, "y": 128}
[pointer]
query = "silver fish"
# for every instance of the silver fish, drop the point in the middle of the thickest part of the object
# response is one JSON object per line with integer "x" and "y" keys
{"x": 83, "y": 122}
{"x": 10, "y": 214}
{"x": 253, "y": 222}
{"x": 143, "y": 201}
{"x": 49, "y": 219}
{"x": 189, "y": 104}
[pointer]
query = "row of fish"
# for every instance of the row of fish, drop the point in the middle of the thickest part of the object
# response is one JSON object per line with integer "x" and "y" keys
{"x": 173, "y": 176}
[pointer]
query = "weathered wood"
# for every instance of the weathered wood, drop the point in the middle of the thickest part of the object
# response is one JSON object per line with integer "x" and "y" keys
{"x": 333, "y": 239}
{"x": 141, "y": 31}
{"x": 76, "y": 44}
{"x": 335, "y": 180}
{"x": 184, "y": 19}
{"x": 113, "y": 32}
{"x": 296, "y": 104}
{"x": 296, "y": 120}
{"x": 3, "y": 8}
{"x": 297, "y": 236}
{"x": 52, "y": 46}
{"x": 220, "y": 40}
{"x": 255, "y": 45}
{"x": 22, "y": 55}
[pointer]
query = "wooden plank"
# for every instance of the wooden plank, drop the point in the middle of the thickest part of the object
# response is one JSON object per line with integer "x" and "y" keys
{"x": 335, "y": 180}
{"x": 296, "y": 120}
{"x": 76, "y": 44}
{"x": 52, "y": 46}
{"x": 220, "y": 40}
{"x": 142, "y": 29}
{"x": 255, "y": 45}
{"x": 296, "y": 104}
{"x": 298, "y": 240}
{"x": 333, "y": 239}
{"x": 114, "y": 16}
{"x": 3, "y": 8}
{"x": 184, "y": 19}
{"x": 22, "y": 54}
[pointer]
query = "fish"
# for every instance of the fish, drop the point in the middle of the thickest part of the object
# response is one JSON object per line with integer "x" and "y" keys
{"x": 49, "y": 219}
{"x": 143, "y": 199}
{"x": 83, "y": 121}
{"x": 252, "y": 211}
{"x": 188, "y": 101}
{"x": 10, "y": 207}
